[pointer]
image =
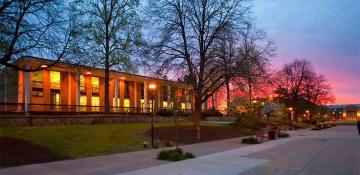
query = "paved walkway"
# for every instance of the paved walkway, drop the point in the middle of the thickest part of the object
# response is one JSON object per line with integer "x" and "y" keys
{"x": 332, "y": 151}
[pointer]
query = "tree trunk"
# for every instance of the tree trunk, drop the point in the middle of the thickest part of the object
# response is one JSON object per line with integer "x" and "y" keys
{"x": 197, "y": 115}
{"x": 228, "y": 95}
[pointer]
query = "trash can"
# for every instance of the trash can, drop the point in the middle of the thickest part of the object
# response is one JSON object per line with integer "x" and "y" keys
{"x": 271, "y": 135}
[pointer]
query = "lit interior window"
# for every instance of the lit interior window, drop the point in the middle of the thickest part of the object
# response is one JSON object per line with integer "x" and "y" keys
{"x": 54, "y": 80}
{"x": 114, "y": 101}
{"x": 82, "y": 83}
{"x": 95, "y": 84}
{"x": 95, "y": 101}
{"x": 126, "y": 103}
{"x": 83, "y": 103}
{"x": 150, "y": 105}
{"x": 37, "y": 79}
{"x": 189, "y": 105}
{"x": 165, "y": 104}
{"x": 182, "y": 105}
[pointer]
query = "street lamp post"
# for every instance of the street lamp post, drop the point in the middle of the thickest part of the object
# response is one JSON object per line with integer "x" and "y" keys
{"x": 292, "y": 116}
{"x": 254, "y": 103}
{"x": 152, "y": 88}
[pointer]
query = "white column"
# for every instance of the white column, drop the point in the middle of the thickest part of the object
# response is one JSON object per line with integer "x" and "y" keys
{"x": 169, "y": 96}
{"x": 78, "y": 91}
{"x": 146, "y": 99}
{"x": 116, "y": 94}
{"x": 27, "y": 89}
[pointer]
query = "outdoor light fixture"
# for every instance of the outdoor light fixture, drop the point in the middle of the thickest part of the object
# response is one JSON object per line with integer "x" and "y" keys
{"x": 152, "y": 86}
{"x": 254, "y": 101}
{"x": 43, "y": 66}
{"x": 122, "y": 78}
{"x": 88, "y": 73}
{"x": 290, "y": 109}
{"x": 307, "y": 111}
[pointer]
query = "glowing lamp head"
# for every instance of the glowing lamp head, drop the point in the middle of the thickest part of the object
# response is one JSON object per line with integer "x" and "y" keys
{"x": 43, "y": 66}
{"x": 152, "y": 86}
{"x": 290, "y": 109}
{"x": 307, "y": 111}
{"x": 122, "y": 78}
{"x": 88, "y": 73}
{"x": 254, "y": 101}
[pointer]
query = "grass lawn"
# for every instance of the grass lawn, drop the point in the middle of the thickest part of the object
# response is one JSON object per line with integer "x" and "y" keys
{"x": 88, "y": 140}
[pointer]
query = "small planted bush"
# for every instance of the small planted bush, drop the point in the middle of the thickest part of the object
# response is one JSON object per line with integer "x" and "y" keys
{"x": 174, "y": 155}
{"x": 283, "y": 135}
{"x": 250, "y": 140}
{"x": 170, "y": 143}
{"x": 165, "y": 112}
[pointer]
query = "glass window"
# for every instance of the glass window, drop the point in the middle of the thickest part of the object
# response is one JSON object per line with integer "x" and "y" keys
{"x": 83, "y": 103}
{"x": 95, "y": 84}
{"x": 54, "y": 80}
{"x": 82, "y": 84}
{"x": 95, "y": 101}
{"x": 183, "y": 106}
{"x": 37, "y": 79}
{"x": 165, "y": 104}
{"x": 126, "y": 103}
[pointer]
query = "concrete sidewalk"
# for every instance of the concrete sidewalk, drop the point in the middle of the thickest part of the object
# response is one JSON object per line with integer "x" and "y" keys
{"x": 305, "y": 152}
{"x": 118, "y": 163}
{"x": 334, "y": 151}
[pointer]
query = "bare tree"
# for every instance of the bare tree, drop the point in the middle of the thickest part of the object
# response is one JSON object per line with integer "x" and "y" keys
{"x": 299, "y": 84}
{"x": 109, "y": 34}
{"x": 185, "y": 40}
{"x": 33, "y": 27}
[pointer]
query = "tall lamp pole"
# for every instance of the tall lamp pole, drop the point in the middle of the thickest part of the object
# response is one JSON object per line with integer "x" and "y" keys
{"x": 292, "y": 116}
{"x": 152, "y": 88}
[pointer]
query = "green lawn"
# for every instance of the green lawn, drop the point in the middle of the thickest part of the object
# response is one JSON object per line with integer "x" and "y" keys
{"x": 88, "y": 140}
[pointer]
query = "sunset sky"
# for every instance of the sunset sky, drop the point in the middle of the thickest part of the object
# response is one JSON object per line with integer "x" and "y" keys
{"x": 326, "y": 32}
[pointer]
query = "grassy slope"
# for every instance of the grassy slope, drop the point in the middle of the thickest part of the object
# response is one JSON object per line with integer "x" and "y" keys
{"x": 87, "y": 140}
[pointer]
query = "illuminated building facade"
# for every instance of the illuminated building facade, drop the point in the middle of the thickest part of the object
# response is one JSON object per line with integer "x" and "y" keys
{"x": 66, "y": 87}
{"x": 344, "y": 112}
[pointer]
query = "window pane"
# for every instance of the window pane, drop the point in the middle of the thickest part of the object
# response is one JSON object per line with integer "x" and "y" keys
{"x": 95, "y": 84}
{"x": 83, "y": 103}
{"x": 54, "y": 80}
{"x": 37, "y": 79}
{"x": 95, "y": 101}
{"x": 126, "y": 102}
{"x": 82, "y": 83}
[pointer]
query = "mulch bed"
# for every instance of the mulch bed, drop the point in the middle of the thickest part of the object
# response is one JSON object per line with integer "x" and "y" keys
{"x": 15, "y": 152}
{"x": 188, "y": 135}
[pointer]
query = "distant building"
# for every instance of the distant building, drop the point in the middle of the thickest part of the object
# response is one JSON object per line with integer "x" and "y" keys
{"x": 344, "y": 111}
{"x": 65, "y": 87}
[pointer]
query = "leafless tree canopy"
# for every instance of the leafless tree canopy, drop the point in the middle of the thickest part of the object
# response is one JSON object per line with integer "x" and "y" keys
{"x": 33, "y": 27}
{"x": 298, "y": 83}
{"x": 108, "y": 34}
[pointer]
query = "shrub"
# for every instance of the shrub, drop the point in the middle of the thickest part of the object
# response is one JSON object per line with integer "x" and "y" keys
{"x": 174, "y": 155}
{"x": 283, "y": 135}
{"x": 165, "y": 112}
{"x": 212, "y": 113}
{"x": 250, "y": 140}
{"x": 163, "y": 155}
{"x": 188, "y": 155}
